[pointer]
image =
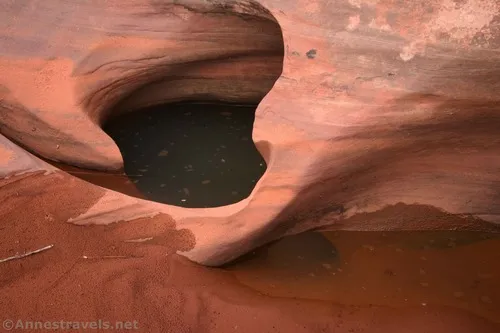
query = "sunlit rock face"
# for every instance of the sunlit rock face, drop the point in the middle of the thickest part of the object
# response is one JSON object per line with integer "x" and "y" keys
{"x": 372, "y": 115}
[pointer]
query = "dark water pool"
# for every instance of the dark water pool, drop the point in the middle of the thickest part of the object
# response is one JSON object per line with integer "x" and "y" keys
{"x": 190, "y": 155}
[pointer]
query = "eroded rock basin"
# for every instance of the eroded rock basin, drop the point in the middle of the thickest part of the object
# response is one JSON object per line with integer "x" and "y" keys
{"x": 423, "y": 271}
{"x": 201, "y": 155}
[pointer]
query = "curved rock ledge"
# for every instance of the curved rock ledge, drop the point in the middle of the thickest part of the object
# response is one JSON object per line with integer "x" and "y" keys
{"x": 384, "y": 117}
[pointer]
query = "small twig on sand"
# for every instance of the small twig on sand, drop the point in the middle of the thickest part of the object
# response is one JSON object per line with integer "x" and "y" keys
{"x": 138, "y": 240}
{"x": 112, "y": 257}
{"x": 24, "y": 255}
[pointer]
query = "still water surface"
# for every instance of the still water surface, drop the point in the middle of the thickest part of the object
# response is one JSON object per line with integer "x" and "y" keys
{"x": 457, "y": 269}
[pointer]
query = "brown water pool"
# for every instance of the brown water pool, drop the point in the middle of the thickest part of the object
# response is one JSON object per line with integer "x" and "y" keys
{"x": 457, "y": 269}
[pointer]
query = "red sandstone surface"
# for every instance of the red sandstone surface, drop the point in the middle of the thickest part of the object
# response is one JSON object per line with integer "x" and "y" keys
{"x": 376, "y": 115}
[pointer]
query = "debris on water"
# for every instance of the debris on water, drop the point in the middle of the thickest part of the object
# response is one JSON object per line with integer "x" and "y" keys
{"x": 486, "y": 299}
{"x": 369, "y": 247}
{"x": 389, "y": 272}
{"x": 484, "y": 275}
{"x": 201, "y": 138}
